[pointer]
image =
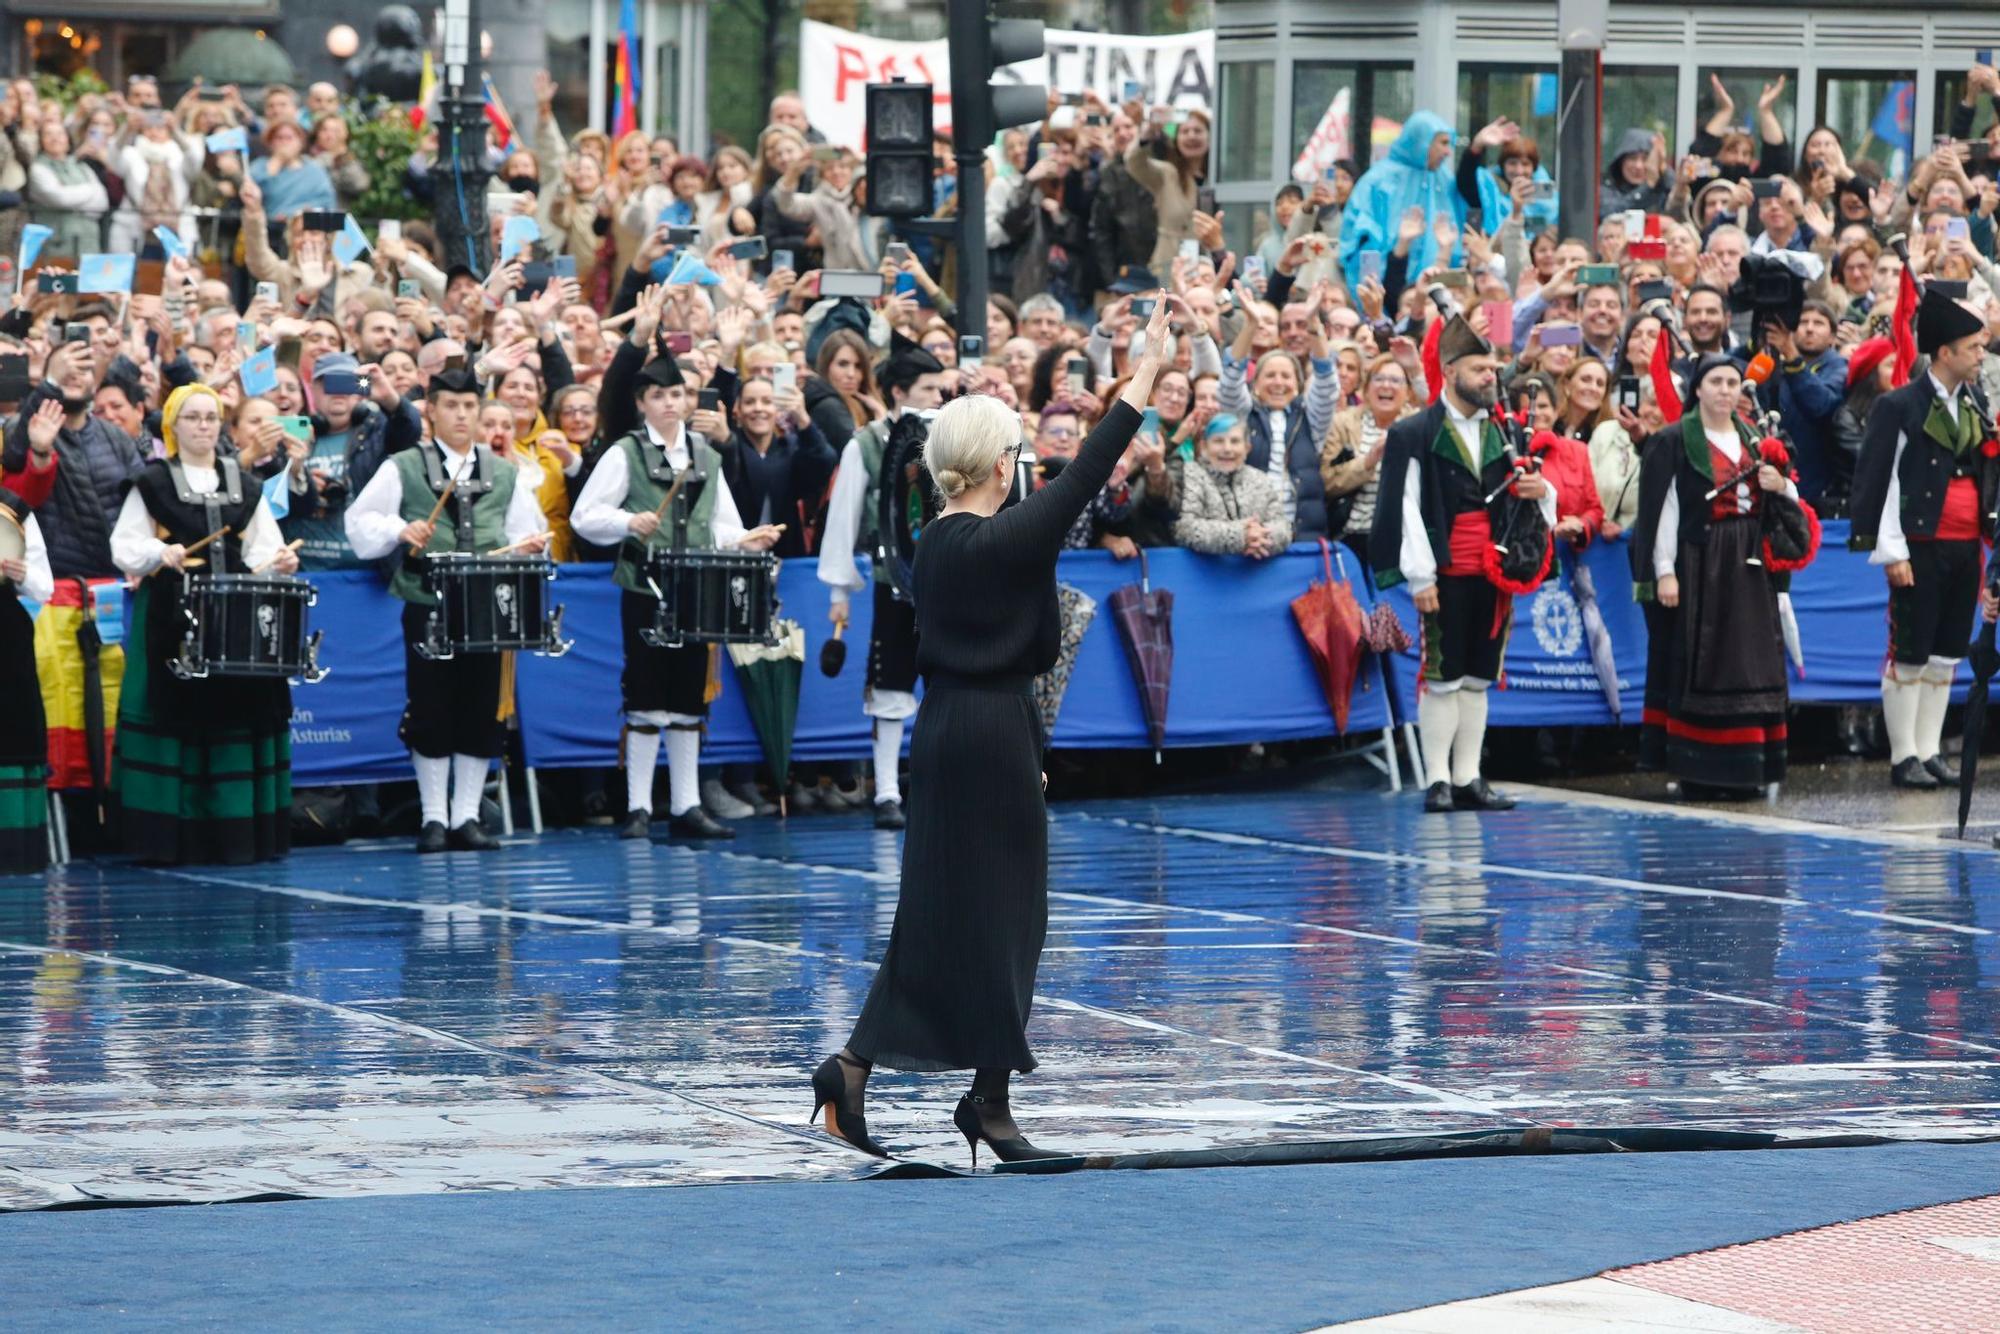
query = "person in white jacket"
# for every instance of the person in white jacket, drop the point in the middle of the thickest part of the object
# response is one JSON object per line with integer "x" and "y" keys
{"x": 156, "y": 167}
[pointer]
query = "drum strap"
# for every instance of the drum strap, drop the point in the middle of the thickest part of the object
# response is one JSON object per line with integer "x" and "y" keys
{"x": 470, "y": 488}
{"x": 230, "y": 489}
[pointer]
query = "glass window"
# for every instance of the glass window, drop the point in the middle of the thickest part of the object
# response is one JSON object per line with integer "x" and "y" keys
{"x": 569, "y": 61}
{"x": 1948, "y": 94}
{"x": 1248, "y": 106}
{"x": 1743, "y": 87}
{"x": 1873, "y": 111}
{"x": 1524, "y": 94}
{"x": 1380, "y": 95}
{"x": 1639, "y": 97}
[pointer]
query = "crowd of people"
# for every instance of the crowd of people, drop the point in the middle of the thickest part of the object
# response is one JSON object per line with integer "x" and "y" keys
{"x": 668, "y": 313}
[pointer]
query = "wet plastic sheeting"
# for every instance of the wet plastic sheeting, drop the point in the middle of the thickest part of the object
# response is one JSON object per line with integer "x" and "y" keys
{"x": 1220, "y": 971}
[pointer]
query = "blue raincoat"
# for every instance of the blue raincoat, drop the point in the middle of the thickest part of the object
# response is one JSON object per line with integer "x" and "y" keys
{"x": 1495, "y": 203}
{"x": 1394, "y": 185}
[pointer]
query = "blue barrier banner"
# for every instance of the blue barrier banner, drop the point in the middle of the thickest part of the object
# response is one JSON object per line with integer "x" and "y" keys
{"x": 1840, "y": 600}
{"x": 344, "y": 728}
{"x": 1241, "y": 670}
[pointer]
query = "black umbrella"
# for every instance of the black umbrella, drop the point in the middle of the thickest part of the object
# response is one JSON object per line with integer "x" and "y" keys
{"x": 1985, "y": 662}
{"x": 1145, "y": 619}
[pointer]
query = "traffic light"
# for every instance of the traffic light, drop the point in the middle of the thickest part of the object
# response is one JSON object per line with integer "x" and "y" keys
{"x": 980, "y": 47}
{"x": 899, "y": 149}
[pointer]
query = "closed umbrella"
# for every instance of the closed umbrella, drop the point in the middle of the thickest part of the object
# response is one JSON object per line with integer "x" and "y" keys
{"x": 1330, "y": 619}
{"x": 769, "y": 675}
{"x": 1985, "y": 661}
{"x": 1079, "y": 609}
{"x": 1145, "y": 617}
{"x": 1583, "y": 587}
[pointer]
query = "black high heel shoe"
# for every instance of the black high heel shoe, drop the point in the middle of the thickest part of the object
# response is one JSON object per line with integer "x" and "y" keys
{"x": 1014, "y": 1150}
{"x": 829, "y": 1089}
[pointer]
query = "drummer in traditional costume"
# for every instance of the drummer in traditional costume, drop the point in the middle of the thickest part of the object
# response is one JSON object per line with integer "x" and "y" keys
{"x": 24, "y": 770}
{"x": 1720, "y": 526}
{"x": 623, "y": 504}
{"x": 1435, "y": 529}
{"x": 1924, "y": 495}
{"x": 203, "y": 768}
{"x": 451, "y": 722}
{"x": 912, "y": 380}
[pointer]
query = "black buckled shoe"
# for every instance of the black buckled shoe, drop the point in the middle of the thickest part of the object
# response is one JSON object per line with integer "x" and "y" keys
{"x": 1437, "y": 798}
{"x": 889, "y": 815}
{"x": 638, "y": 824}
{"x": 472, "y": 837}
{"x": 1911, "y": 772}
{"x": 1013, "y": 1149}
{"x": 1938, "y": 767}
{"x": 1477, "y": 796}
{"x": 697, "y": 823}
{"x": 431, "y": 838}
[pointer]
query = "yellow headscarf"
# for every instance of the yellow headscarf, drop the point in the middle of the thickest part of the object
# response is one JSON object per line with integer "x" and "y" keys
{"x": 170, "y": 413}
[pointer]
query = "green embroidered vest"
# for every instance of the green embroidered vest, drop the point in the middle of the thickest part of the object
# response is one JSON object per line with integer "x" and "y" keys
{"x": 648, "y": 477}
{"x": 474, "y": 519}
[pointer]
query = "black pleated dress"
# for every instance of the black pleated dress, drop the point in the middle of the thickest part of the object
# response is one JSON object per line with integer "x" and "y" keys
{"x": 959, "y": 975}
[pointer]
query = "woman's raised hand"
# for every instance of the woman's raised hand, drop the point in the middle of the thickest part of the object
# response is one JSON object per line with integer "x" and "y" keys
{"x": 1139, "y": 389}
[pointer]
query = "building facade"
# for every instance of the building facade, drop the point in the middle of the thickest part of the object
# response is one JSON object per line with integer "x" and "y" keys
{"x": 1880, "y": 74}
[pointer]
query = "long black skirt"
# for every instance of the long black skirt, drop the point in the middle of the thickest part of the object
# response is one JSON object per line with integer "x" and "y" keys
{"x": 959, "y": 975}
{"x": 1724, "y": 716}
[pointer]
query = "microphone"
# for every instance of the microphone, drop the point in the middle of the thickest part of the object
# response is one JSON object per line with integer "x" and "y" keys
{"x": 1441, "y": 298}
{"x": 1759, "y": 370}
{"x": 1663, "y": 310}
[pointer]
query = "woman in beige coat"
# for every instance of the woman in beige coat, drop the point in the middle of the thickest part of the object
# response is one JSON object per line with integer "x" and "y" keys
{"x": 1350, "y": 462}
{"x": 1173, "y": 178}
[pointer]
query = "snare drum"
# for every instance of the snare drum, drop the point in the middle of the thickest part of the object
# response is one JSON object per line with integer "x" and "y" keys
{"x": 491, "y": 604}
{"x": 712, "y": 597}
{"x": 247, "y": 625}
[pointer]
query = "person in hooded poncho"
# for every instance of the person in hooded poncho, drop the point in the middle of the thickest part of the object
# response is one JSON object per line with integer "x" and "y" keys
{"x": 1924, "y": 495}
{"x": 1414, "y": 175}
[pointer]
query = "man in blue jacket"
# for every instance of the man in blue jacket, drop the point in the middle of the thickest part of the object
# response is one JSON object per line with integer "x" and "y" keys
{"x": 1414, "y": 175}
{"x": 1812, "y": 384}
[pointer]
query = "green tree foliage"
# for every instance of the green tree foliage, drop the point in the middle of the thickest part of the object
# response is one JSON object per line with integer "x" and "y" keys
{"x": 384, "y": 142}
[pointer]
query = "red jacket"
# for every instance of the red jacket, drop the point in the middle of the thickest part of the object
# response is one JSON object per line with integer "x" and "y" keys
{"x": 1566, "y": 465}
{"x": 32, "y": 484}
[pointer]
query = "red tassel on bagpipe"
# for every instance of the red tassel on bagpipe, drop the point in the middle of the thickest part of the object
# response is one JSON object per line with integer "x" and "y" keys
{"x": 1780, "y": 566}
{"x": 1903, "y": 329}
{"x": 1517, "y": 587}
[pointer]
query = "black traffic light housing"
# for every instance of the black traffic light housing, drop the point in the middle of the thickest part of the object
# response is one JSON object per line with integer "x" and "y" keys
{"x": 899, "y": 149}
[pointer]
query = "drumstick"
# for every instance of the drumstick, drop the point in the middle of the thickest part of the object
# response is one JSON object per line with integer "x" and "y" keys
{"x": 514, "y": 545}
{"x": 672, "y": 491}
{"x": 292, "y": 545}
{"x": 417, "y": 548}
{"x": 223, "y": 531}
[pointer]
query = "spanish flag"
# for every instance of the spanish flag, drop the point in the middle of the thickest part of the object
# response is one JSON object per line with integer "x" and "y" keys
{"x": 625, "y": 71}
{"x": 426, "y": 93}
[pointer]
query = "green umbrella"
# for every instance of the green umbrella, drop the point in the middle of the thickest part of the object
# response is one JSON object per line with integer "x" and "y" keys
{"x": 232, "y": 55}
{"x": 769, "y": 676}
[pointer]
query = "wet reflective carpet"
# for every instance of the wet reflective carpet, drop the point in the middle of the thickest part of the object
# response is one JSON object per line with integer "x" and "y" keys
{"x": 1220, "y": 971}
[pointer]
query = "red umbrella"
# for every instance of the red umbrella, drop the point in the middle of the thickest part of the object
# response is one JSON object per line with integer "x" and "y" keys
{"x": 1330, "y": 619}
{"x": 1145, "y": 620}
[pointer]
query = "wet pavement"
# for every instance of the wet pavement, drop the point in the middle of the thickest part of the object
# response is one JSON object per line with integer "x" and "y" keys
{"x": 1221, "y": 970}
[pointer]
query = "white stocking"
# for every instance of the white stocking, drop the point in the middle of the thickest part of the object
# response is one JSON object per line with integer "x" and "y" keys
{"x": 1471, "y": 733}
{"x": 433, "y": 780}
{"x": 1902, "y": 691}
{"x": 1934, "y": 699}
{"x": 642, "y": 752}
{"x": 468, "y": 785}
{"x": 1437, "y": 724}
{"x": 888, "y": 753}
{"x": 683, "y": 758}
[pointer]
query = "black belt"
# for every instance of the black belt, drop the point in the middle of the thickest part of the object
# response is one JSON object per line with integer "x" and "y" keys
{"x": 993, "y": 685}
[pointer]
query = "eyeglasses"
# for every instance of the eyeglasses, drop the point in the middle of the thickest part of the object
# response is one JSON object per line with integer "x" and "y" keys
{"x": 1014, "y": 451}
{"x": 580, "y": 410}
{"x": 1060, "y": 432}
{"x": 1395, "y": 380}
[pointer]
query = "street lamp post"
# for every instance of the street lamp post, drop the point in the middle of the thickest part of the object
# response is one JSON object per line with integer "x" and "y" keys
{"x": 458, "y": 206}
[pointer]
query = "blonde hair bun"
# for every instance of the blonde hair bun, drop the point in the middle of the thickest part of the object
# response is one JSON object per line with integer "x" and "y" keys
{"x": 967, "y": 439}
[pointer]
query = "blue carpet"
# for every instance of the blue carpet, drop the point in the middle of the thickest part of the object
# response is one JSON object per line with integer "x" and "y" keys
{"x": 1250, "y": 1248}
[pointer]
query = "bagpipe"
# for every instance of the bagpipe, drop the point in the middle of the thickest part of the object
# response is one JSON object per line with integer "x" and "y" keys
{"x": 1791, "y": 530}
{"x": 906, "y": 500}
